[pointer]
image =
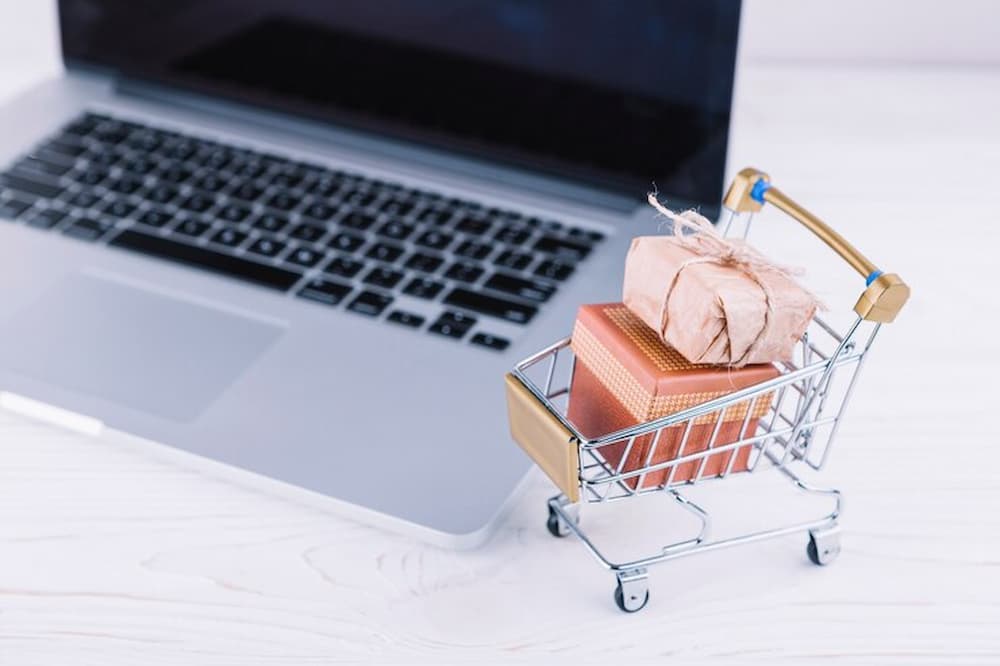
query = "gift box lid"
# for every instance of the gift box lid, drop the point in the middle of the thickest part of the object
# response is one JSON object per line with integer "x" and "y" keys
{"x": 649, "y": 378}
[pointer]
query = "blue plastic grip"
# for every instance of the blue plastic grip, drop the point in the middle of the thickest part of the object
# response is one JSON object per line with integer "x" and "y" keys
{"x": 758, "y": 189}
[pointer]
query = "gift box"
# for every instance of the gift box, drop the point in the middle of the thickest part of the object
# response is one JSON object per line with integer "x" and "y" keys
{"x": 713, "y": 299}
{"x": 625, "y": 375}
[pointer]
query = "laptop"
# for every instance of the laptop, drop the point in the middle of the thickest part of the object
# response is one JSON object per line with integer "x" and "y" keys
{"x": 300, "y": 242}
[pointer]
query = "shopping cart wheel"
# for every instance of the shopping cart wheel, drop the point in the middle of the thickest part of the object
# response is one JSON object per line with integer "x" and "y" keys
{"x": 632, "y": 591}
{"x": 824, "y": 546}
{"x": 555, "y": 523}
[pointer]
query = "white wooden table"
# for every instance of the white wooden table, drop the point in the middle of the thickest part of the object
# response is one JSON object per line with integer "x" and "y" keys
{"x": 110, "y": 556}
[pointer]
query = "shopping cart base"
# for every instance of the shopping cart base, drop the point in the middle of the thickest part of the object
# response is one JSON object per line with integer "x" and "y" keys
{"x": 632, "y": 590}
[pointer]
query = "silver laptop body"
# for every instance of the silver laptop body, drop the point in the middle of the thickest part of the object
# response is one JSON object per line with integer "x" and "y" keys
{"x": 394, "y": 424}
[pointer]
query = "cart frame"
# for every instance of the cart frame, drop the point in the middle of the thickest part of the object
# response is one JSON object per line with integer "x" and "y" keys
{"x": 793, "y": 434}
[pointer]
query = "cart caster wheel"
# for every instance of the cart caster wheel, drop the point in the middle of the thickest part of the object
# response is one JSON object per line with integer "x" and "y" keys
{"x": 632, "y": 591}
{"x": 823, "y": 547}
{"x": 633, "y": 604}
{"x": 556, "y": 525}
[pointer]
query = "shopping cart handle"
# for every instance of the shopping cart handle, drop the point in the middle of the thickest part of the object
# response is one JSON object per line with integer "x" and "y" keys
{"x": 884, "y": 294}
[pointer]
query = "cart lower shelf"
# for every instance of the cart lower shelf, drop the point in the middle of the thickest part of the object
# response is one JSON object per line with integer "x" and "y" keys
{"x": 632, "y": 577}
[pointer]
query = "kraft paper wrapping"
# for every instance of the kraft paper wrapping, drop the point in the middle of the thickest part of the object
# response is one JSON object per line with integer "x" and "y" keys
{"x": 714, "y": 312}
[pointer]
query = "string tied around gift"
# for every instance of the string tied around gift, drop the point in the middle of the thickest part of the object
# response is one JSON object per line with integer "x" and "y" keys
{"x": 713, "y": 247}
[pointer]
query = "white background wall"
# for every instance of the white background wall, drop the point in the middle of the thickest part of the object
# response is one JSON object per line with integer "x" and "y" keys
{"x": 946, "y": 32}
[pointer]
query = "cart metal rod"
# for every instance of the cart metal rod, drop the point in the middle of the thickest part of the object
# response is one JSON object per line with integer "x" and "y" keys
{"x": 712, "y": 405}
{"x": 691, "y": 546}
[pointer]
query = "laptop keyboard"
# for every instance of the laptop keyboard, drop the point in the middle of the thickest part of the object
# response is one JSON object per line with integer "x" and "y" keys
{"x": 333, "y": 237}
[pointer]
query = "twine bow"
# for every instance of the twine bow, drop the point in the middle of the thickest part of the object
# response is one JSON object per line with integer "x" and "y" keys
{"x": 711, "y": 247}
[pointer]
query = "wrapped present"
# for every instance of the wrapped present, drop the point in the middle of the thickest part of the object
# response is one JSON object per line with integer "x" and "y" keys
{"x": 713, "y": 299}
{"x": 624, "y": 376}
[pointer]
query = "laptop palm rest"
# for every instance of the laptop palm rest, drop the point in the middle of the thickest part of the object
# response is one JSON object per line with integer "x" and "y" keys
{"x": 132, "y": 346}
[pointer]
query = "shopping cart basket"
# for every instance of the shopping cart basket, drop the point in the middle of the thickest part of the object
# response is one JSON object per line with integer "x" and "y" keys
{"x": 806, "y": 404}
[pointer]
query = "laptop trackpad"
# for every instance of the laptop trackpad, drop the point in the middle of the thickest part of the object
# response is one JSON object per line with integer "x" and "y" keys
{"x": 136, "y": 347}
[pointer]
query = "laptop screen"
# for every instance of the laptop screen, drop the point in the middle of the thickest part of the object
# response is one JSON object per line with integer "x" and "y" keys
{"x": 617, "y": 95}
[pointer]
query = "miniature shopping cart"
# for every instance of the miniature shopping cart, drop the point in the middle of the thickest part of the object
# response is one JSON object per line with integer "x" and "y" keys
{"x": 806, "y": 404}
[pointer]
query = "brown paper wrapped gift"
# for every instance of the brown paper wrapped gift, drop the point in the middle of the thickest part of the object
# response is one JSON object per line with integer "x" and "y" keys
{"x": 625, "y": 375}
{"x": 715, "y": 300}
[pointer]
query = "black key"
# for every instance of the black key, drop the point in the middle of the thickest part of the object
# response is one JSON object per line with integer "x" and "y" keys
{"x": 67, "y": 148}
{"x": 198, "y": 203}
{"x": 360, "y": 198}
{"x": 453, "y": 325}
{"x": 344, "y": 266}
{"x": 554, "y": 270}
{"x": 370, "y": 303}
{"x": 586, "y": 235}
{"x": 473, "y": 250}
{"x": 396, "y": 207}
{"x": 532, "y": 290}
{"x": 38, "y": 188}
{"x": 228, "y": 237}
{"x": 125, "y": 185}
{"x": 346, "y": 242}
{"x": 119, "y": 208}
{"x": 234, "y": 213}
{"x": 396, "y": 230}
{"x": 319, "y": 211}
{"x": 513, "y": 235}
{"x": 286, "y": 179}
{"x": 91, "y": 176}
{"x": 210, "y": 182}
{"x": 192, "y": 228}
{"x": 175, "y": 174}
{"x": 236, "y": 267}
{"x": 434, "y": 240}
{"x": 84, "y": 199}
{"x": 216, "y": 158}
{"x": 426, "y": 263}
{"x": 307, "y": 232}
{"x": 248, "y": 192}
{"x": 423, "y": 288}
{"x": 305, "y": 257}
{"x": 357, "y": 220}
{"x": 518, "y": 313}
{"x": 155, "y": 218}
{"x": 329, "y": 292}
{"x": 490, "y": 341}
{"x": 407, "y": 319}
{"x": 88, "y": 228}
{"x": 46, "y": 219}
{"x": 386, "y": 278}
{"x": 140, "y": 166}
{"x": 325, "y": 186}
{"x": 102, "y": 158}
{"x": 471, "y": 225}
{"x": 270, "y": 222}
{"x": 386, "y": 252}
{"x": 161, "y": 194}
{"x": 12, "y": 208}
{"x": 434, "y": 216}
{"x": 562, "y": 248}
{"x": 464, "y": 272}
{"x": 517, "y": 261}
{"x": 266, "y": 247}
{"x": 251, "y": 169}
{"x": 42, "y": 167}
{"x": 283, "y": 201}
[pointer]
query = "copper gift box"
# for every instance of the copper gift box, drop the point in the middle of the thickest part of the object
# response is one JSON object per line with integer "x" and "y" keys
{"x": 625, "y": 375}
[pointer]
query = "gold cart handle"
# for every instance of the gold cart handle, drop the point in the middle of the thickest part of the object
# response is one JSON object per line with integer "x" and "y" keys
{"x": 885, "y": 293}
